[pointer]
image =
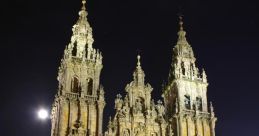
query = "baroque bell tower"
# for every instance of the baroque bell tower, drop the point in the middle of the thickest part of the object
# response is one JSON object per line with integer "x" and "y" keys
{"x": 185, "y": 94}
{"x": 78, "y": 106}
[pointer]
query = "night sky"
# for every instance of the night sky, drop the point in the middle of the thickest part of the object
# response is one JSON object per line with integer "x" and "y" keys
{"x": 224, "y": 36}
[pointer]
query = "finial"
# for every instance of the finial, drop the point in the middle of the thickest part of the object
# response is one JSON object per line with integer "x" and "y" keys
{"x": 181, "y": 22}
{"x": 110, "y": 122}
{"x": 211, "y": 108}
{"x": 83, "y": 12}
{"x": 204, "y": 76}
{"x": 138, "y": 64}
{"x": 181, "y": 32}
{"x": 119, "y": 96}
{"x": 83, "y": 2}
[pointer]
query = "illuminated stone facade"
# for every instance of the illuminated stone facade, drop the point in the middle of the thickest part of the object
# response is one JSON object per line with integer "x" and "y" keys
{"x": 137, "y": 114}
{"x": 185, "y": 94}
{"x": 78, "y": 106}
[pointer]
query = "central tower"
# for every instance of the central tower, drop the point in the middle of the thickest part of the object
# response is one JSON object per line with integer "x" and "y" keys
{"x": 136, "y": 113}
{"x": 78, "y": 106}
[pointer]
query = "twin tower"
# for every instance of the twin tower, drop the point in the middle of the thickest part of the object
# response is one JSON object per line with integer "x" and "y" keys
{"x": 79, "y": 103}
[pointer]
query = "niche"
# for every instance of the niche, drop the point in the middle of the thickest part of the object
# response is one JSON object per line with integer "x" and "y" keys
{"x": 183, "y": 68}
{"x": 199, "y": 103}
{"x": 75, "y": 85}
{"x": 74, "y": 51}
{"x": 90, "y": 86}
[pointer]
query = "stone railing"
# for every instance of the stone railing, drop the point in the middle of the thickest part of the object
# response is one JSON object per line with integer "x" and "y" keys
{"x": 76, "y": 96}
{"x": 91, "y": 98}
{"x": 91, "y": 56}
{"x": 72, "y": 95}
{"x": 193, "y": 112}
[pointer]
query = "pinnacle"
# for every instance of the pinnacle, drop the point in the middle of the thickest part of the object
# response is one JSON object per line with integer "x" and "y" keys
{"x": 138, "y": 63}
{"x": 83, "y": 2}
{"x": 181, "y": 23}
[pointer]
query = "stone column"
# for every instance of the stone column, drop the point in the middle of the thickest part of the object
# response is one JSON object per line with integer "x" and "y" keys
{"x": 55, "y": 121}
{"x": 203, "y": 120}
{"x": 197, "y": 125}
{"x": 189, "y": 123}
{"x": 180, "y": 125}
{"x": 100, "y": 117}
{"x": 63, "y": 120}
{"x": 212, "y": 126}
{"x": 89, "y": 119}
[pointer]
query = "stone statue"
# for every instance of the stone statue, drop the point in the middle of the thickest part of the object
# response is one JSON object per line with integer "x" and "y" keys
{"x": 138, "y": 106}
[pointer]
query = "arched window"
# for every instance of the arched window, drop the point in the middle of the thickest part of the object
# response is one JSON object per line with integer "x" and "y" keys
{"x": 183, "y": 68}
{"x": 199, "y": 103}
{"x": 75, "y": 85}
{"x": 86, "y": 51}
{"x": 187, "y": 102}
{"x": 74, "y": 49}
{"x": 90, "y": 86}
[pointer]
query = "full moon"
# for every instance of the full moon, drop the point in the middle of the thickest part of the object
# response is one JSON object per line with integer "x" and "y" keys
{"x": 43, "y": 114}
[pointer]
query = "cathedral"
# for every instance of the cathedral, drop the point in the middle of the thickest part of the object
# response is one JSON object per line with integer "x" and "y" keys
{"x": 80, "y": 100}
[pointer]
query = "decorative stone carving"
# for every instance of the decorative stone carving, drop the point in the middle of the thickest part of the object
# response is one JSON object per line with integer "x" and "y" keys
{"x": 78, "y": 106}
{"x": 78, "y": 77}
{"x": 186, "y": 91}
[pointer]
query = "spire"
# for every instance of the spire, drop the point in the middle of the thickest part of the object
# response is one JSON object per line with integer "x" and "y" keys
{"x": 83, "y": 2}
{"x": 183, "y": 56}
{"x": 182, "y": 47}
{"x": 139, "y": 74}
{"x": 204, "y": 76}
{"x": 138, "y": 63}
{"x": 82, "y": 38}
{"x": 181, "y": 32}
{"x": 212, "y": 110}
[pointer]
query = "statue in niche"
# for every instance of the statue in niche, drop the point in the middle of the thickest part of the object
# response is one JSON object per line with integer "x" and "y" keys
{"x": 126, "y": 133}
{"x": 160, "y": 108}
{"x": 153, "y": 108}
{"x": 125, "y": 109}
{"x": 138, "y": 106}
{"x": 118, "y": 102}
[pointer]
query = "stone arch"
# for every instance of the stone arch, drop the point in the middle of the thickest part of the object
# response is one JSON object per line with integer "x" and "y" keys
{"x": 183, "y": 68}
{"x": 90, "y": 86}
{"x": 74, "y": 50}
{"x": 139, "y": 105}
{"x": 75, "y": 85}
{"x": 187, "y": 101}
{"x": 199, "y": 103}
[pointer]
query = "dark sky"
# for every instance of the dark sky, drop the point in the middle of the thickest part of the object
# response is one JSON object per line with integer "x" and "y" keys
{"x": 224, "y": 36}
